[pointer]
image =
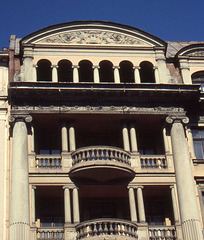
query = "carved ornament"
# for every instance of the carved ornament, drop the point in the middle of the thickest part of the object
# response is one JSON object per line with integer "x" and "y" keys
{"x": 92, "y": 37}
{"x": 182, "y": 119}
{"x": 196, "y": 54}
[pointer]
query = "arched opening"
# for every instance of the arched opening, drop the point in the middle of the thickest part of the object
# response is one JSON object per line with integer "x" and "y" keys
{"x": 65, "y": 73}
{"x": 44, "y": 71}
{"x": 106, "y": 71}
{"x": 126, "y": 72}
{"x": 85, "y": 71}
{"x": 198, "y": 78}
{"x": 147, "y": 72}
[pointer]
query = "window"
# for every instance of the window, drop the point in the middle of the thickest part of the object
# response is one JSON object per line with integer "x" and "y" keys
{"x": 44, "y": 72}
{"x": 147, "y": 72}
{"x": 198, "y": 140}
{"x": 198, "y": 78}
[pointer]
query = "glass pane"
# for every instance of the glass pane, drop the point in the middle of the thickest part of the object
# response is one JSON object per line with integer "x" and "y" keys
{"x": 196, "y": 133}
{"x": 198, "y": 149}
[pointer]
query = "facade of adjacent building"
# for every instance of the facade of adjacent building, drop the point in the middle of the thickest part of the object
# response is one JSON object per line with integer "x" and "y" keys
{"x": 102, "y": 135}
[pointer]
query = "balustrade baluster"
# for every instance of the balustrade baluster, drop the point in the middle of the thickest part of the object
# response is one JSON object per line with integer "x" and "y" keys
{"x": 105, "y": 228}
{"x": 57, "y": 163}
{"x": 95, "y": 229}
{"x": 111, "y": 228}
{"x": 100, "y": 229}
{"x": 116, "y": 229}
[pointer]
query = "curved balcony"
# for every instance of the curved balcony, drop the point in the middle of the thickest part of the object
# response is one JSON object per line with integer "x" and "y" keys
{"x": 106, "y": 228}
{"x": 101, "y": 163}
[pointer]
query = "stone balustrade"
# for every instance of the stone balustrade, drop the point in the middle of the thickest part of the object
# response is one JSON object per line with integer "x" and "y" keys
{"x": 106, "y": 228}
{"x": 100, "y": 153}
{"x": 162, "y": 233}
{"x": 48, "y": 161}
{"x": 50, "y": 233}
{"x": 153, "y": 162}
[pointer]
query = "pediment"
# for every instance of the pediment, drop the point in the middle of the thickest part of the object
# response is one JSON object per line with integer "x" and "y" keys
{"x": 93, "y": 33}
{"x": 193, "y": 50}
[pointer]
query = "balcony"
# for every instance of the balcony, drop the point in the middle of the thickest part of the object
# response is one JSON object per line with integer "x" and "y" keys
{"x": 50, "y": 233}
{"x": 92, "y": 162}
{"x": 106, "y": 228}
{"x": 162, "y": 233}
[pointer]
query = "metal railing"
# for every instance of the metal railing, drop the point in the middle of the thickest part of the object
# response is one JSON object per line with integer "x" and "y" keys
{"x": 100, "y": 153}
{"x": 104, "y": 227}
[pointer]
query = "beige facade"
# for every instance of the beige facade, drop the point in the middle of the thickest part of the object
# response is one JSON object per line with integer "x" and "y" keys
{"x": 101, "y": 135}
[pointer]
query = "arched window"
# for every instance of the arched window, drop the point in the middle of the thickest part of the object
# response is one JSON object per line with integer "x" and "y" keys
{"x": 126, "y": 72}
{"x": 147, "y": 72}
{"x": 65, "y": 73}
{"x": 198, "y": 78}
{"x": 85, "y": 71}
{"x": 106, "y": 71}
{"x": 44, "y": 71}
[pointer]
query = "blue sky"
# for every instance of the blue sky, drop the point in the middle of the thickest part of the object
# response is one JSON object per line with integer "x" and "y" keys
{"x": 181, "y": 20}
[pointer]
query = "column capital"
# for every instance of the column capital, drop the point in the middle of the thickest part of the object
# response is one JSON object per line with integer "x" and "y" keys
{"x": 75, "y": 66}
{"x": 34, "y": 187}
{"x": 155, "y": 67}
{"x": 135, "y": 186}
{"x": 181, "y": 119}
{"x": 35, "y": 65}
{"x": 68, "y": 186}
{"x": 20, "y": 117}
{"x": 116, "y": 67}
{"x": 171, "y": 187}
{"x": 95, "y": 66}
{"x": 54, "y": 66}
{"x": 137, "y": 67}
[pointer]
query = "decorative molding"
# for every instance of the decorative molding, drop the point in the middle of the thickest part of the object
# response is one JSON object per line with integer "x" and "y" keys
{"x": 182, "y": 119}
{"x": 92, "y": 37}
{"x": 196, "y": 54}
{"x": 19, "y": 117}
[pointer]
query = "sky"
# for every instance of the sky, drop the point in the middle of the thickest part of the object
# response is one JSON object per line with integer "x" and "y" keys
{"x": 170, "y": 20}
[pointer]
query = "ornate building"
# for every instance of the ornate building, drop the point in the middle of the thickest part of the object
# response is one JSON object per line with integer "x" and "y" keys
{"x": 102, "y": 135}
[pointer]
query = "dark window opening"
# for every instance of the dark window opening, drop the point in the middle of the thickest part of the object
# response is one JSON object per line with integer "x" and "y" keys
{"x": 198, "y": 141}
{"x": 106, "y": 71}
{"x": 44, "y": 71}
{"x": 65, "y": 73}
{"x": 85, "y": 71}
{"x": 147, "y": 72}
{"x": 126, "y": 72}
{"x": 198, "y": 78}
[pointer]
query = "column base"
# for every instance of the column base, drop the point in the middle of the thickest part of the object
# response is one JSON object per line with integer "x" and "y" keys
{"x": 19, "y": 230}
{"x": 192, "y": 230}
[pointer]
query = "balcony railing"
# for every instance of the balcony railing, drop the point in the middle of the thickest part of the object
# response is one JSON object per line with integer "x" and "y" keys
{"x": 153, "y": 162}
{"x": 104, "y": 227}
{"x": 100, "y": 153}
{"x": 50, "y": 233}
{"x": 48, "y": 161}
{"x": 162, "y": 233}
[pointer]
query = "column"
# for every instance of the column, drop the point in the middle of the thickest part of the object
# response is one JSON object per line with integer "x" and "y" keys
{"x": 28, "y": 67}
{"x": 96, "y": 74}
{"x": 35, "y": 73}
{"x": 166, "y": 144}
{"x": 190, "y": 221}
{"x": 54, "y": 73}
{"x": 133, "y": 213}
{"x": 19, "y": 196}
{"x": 67, "y": 205}
{"x": 163, "y": 71}
{"x": 76, "y": 205}
{"x": 175, "y": 209}
{"x": 116, "y": 74}
{"x": 140, "y": 203}
{"x": 156, "y": 75}
{"x": 64, "y": 136}
{"x": 133, "y": 138}
{"x": 32, "y": 147}
{"x": 75, "y": 73}
{"x": 137, "y": 74}
{"x": 126, "y": 143}
{"x": 33, "y": 204}
{"x": 72, "y": 144}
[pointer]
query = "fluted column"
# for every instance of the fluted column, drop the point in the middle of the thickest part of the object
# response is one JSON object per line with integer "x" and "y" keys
{"x": 19, "y": 196}
{"x": 166, "y": 144}
{"x": 76, "y": 215}
{"x": 175, "y": 209}
{"x": 140, "y": 203}
{"x": 72, "y": 143}
{"x": 64, "y": 136}
{"x": 137, "y": 74}
{"x": 126, "y": 143}
{"x": 67, "y": 205}
{"x": 133, "y": 212}
{"x": 54, "y": 73}
{"x": 116, "y": 74}
{"x": 133, "y": 138}
{"x": 96, "y": 74}
{"x": 33, "y": 204}
{"x": 190, "y": 221}
{"x": 75, "y": 73}
{"x": 156, "y": 75}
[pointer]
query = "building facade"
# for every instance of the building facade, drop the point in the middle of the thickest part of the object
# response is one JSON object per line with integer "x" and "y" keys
{"x": 102, "y": 135}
